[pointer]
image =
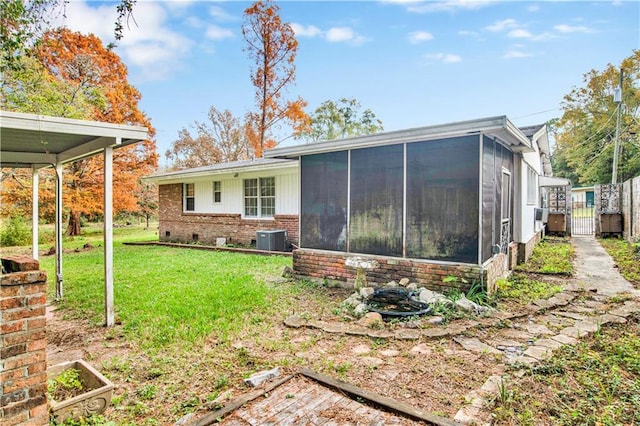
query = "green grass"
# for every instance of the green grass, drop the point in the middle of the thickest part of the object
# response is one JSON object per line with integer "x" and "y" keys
{"x": 596, "y": 382}
{"x": 525, "y": 289}
{"x": 627, "y": 257}
{"x": 165, "y": 295}
{"x": 551, "y": 256}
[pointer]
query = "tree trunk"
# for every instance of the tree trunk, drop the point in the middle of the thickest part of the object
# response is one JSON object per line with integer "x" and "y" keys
{"x": 73, "y": 228}
{"x": 147, "y": 217}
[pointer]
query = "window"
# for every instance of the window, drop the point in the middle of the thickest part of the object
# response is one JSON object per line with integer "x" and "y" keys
{"x": 189, "y": 192}
{"x": 532, "y": 186}
{"x": 506, "y": 195}
{"x": 217, "y": 192}
{"x": 260, "y": 197}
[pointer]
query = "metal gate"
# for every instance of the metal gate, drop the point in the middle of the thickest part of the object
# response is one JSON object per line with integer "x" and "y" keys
{"x": 582, "y": 212}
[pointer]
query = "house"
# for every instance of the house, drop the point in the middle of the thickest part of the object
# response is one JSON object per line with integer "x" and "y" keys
{"x": 583, "y": 197}
{"x": 229, "y": 202}
{"x": 456, "y": 199}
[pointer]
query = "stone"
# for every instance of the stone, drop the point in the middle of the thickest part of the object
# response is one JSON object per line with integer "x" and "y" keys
{"x": 259, "y": 378}
{"x": 372, "y": 320}
{"x": 564, "y": 339}
{"x": 352, "y": 302}
{"x": 574, "y": 332}
{"x": 523, "y": 359}
{"x": 412, "y": 287}
{"x": 548, "y": 343}
{"x": 538, "y": 352}
{"x": 467, "y": 305}
{"x": 571, "y": 315}
{"x": 360, "y": 310}
{"x": 365, "y": 292}
{"x": 436, "y": 320}
{"x": 295, "y": 321}
{"x": 608, "y": 318}
{"x": 404, "y": 282}
{"x": 361, "y": 350}
{"x": 475, "y": 345}
{"x": 587, "y": 326}
{"x": 371, "y": 361}
{"x": 625, "y": 310}
{"x": 421, "y": 349}
{"x": 408, "y": 334}
{"x": 390, "y": 353}
{"x": 391, "y": 284}
{"x": 537, "y": 329}
{"x": 185, "y": 420}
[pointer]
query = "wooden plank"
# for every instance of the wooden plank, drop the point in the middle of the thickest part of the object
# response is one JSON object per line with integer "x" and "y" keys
{"x": 383, "y": 401}
{"x": 213, "y": 417}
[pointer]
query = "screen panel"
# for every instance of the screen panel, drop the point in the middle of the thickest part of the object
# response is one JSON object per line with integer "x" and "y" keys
{"x": 323, "y": 209}
{"x": 375, "y": 225}
{"x": 442, "y": 199}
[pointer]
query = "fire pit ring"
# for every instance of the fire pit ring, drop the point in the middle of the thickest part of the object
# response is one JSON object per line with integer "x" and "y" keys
{"x": 396, "y": 303}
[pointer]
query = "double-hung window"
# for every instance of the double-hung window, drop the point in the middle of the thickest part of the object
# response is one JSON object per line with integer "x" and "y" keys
{"x": 532, "y": 186}
{"x": 260, "y": 197}
{"x": 189, "y": 192}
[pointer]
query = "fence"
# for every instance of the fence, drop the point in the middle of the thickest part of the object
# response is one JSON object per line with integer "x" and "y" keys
{"x": 631, "y": 209}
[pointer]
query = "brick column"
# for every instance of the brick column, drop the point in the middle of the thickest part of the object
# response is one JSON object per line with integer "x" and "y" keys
{"x": 23, "y": 343}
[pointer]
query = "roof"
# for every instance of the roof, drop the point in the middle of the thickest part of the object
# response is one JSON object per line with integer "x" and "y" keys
{"x": 221, "y": 168}
{"x": 31, "y": 140}
{"x": 538, "y": 134}
{"x": 499, "y": 127}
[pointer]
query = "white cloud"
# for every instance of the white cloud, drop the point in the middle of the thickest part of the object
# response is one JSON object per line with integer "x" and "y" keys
{"x": 215, "y": 32}
{"x": 221, "y": 15}
{"x": 302, "y": 31}
{"x": 533, "y": 8}
{"x": 332, "y": 35}
{"x": 519, "y": 33}
{"x": 147, "y": 41}
{"x": 442, "y": 6}
{"x": 419, "y": 36}
{"x": 565, "y": 29}
{"x": 499, "y": 26}
{"x": 447, "y": 58}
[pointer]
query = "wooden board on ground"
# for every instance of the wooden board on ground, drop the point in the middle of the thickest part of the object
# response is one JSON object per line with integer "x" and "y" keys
{"x": 309, "y": 398}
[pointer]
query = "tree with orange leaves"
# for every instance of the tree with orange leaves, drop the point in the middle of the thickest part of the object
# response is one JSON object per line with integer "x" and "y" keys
{"x": 272, "y": 46}
{"x": 97, "y": 76}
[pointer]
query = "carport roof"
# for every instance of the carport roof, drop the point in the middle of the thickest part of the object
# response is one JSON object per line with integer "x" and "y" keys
{"x": 31, "y": 140}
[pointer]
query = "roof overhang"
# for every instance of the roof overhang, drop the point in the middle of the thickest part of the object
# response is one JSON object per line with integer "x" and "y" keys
{"x": 220, "y": 169}
{"x": 553, "y": 181}
{"x": 36, "y": 141}
{"x": 499, "y": 128}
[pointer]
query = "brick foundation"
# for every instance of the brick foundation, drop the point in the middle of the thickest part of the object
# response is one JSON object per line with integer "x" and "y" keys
{"x": 327, "y": 265}
{"x": 525, "y": 250}
{"x": 23, "y": 343}
{"x": 177, "y": 226}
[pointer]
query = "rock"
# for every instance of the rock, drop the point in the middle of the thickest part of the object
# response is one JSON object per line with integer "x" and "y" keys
{"x": 404, "y": 282}
{"x": 365, "y": 292}
{"x": 437, "y": 320}
{"x": 473, "y": 344}
{"x": 262, "y": 376}
{"x": 372, "y": 320}
{"x": 421, "y": 349}
{"x": 360, "y": 310}
{"x": 352, "y": 302}
{"x": 390, "y": 353}
{"x": 412, "y": 286}
{"x": 426, "y": 295}
{"x": 467, "y": 305}
{"x": 391, "y": 284}
{"x": 361, "y": 350}
{"x": 186, "y": 419}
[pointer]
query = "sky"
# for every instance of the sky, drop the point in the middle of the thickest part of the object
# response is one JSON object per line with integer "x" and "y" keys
{"x": 413, "y": 63}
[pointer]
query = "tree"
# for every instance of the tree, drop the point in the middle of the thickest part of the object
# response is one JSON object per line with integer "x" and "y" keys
{"x": 92, "y": 82}
{"x": 342, "y": 119}
{"x": 222, "y": 139}
{"x": 586, "y": 132}
{"x": 272, "y": 46}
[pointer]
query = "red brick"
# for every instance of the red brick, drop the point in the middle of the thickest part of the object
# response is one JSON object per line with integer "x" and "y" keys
{"x": 15, "y": 374}
{"x": 16, "y": 419}
{"x": 10, "y": 291}
{"x": 35, "y": 323}
{"x": 40, "y": 411}
{"x": 12, "y": 302}
{"x": 25, "y": 383}
{"x": 37, "y": 344}
{"x": 24, "y": 360}
{"x": 17, "y": 314}
{"x": 12, "y": 327}
{"x": 37, "y": 300}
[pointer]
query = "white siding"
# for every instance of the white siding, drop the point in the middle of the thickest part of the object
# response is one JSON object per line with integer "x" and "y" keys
{"x": 232, "y": 191}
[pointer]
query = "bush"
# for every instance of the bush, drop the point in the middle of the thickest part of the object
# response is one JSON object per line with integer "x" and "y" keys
{"x": 15, "y": 232}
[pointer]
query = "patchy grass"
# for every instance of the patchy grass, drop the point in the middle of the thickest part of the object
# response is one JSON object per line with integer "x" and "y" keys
{"x": 525, "y": 289}
{"x": 552, "y": 255}
{"x": 596, "y": 382}
{"x": 627, "y": 257}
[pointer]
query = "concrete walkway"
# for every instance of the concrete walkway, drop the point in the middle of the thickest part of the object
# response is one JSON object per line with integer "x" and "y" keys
{"x": 560, "y": 320}
{"x": 596, "y": 270}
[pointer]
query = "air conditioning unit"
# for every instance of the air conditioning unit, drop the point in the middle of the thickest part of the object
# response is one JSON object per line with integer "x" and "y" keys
{"x": 272, "y": 240}
{"x": 542, "y": 215}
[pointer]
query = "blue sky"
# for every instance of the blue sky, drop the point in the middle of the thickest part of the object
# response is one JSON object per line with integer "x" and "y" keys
{"x": 413, "y": 63}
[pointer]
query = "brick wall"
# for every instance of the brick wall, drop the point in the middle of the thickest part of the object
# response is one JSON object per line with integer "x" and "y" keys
{"x": 23, "y": 343}
{"x": 525, "y": 250}
{"x": 177, "y": 226}
{"x": 328, "y": 265}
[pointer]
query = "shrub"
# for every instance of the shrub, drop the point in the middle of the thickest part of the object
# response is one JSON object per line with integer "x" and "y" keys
{"x": 15, "y": 232}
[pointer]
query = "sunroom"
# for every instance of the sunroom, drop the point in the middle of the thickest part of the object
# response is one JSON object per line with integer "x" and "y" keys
{"x": 425, "y": 203}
